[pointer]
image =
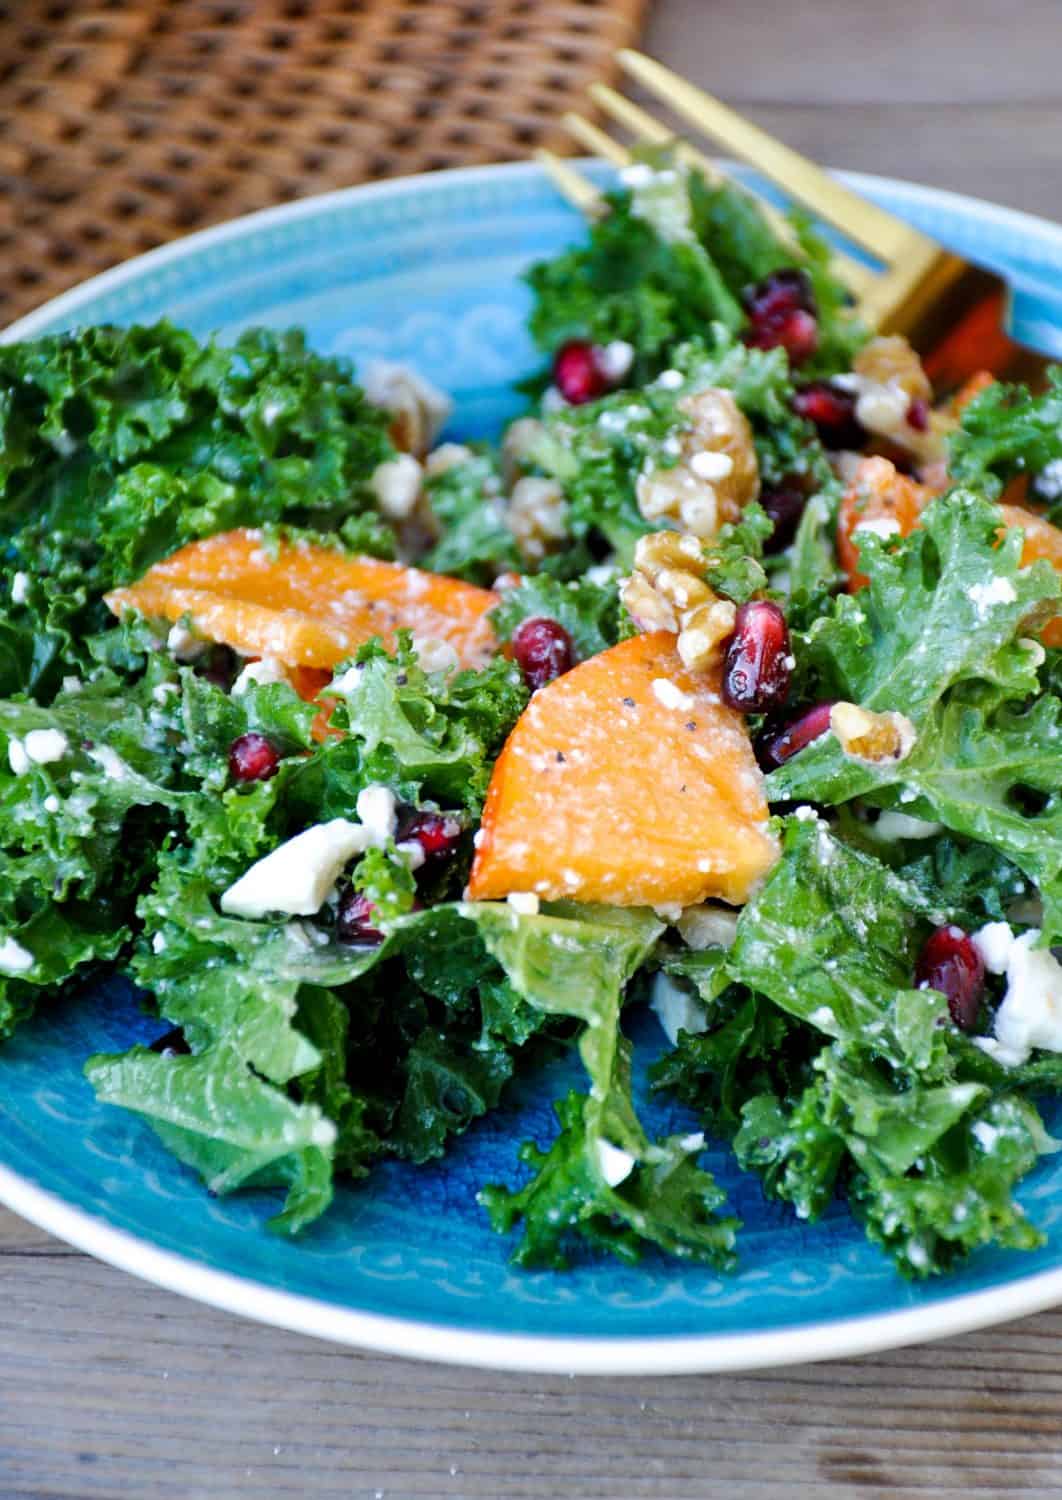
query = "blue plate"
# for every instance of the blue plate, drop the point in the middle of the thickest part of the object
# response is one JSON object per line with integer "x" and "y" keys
{"x": 427, "y": 270}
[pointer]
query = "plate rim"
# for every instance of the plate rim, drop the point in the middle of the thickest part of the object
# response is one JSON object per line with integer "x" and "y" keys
{"x": 414, "y": 1338}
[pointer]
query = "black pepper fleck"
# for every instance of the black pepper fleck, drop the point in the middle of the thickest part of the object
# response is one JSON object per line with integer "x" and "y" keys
{"x": 560, "y": 757}
{"x": 401, "y": 680}
{"x": 629, "y": 702}
{"x": 691, "y": 724}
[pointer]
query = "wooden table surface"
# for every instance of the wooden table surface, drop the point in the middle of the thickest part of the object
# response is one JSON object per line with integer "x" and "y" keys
{"x": 111, "y": 1388}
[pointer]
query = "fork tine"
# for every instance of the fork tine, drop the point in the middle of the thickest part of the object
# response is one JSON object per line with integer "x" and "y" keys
{"x": 855, "y": 275}
{"x": 870, "y": 226}
{"x": 595, "y": 139}
{"x": 582, "y": 194}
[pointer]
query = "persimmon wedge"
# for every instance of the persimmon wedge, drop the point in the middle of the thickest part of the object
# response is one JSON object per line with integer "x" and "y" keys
{"x": 307, "y": 605}
{"x": 882, "y": 498}
{"x": 626, "y": 781}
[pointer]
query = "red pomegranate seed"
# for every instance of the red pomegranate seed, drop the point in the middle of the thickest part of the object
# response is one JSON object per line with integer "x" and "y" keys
{"x": 795, "y": 737}
{"x": 918, "y": 414}
{"x": 758, "y": 664}
{"x": 253, "y": 758}
{"x": 782, "y": 313}
{"x": 950, "y": 963}
{"x": 578, "y": 373}
{"x": 543, "y": 650}
{"x": 785, "y": 506}
{"x": 833, "y": 412}
{"x": 354, "y": 918}
{"x": 436, "y": 833}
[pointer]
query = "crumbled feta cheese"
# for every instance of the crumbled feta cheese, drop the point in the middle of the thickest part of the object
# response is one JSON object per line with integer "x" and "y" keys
{"x": 396, "y": 484}
{"x": 708, "y": 927}
{"x": 110, "y": 763}
{"x": 614, "y": 1165}
{"x": 883, "y": 526}
{"x": 712, "y": 466}
{"x": 823, "y": 1017}
{"x": 323, "y": 1133}
{"x": 669, "y": 696}
{"x": 1049, "y": 480}
{"x": 898, "y": 825}
{"x": 20, "y": 588}
{"x": 163, "y": 691}
{"x": 183, "y": 643}
{"x": 983, "y": 595}
{"x": 615, "y": 359}
{"x": 52, "y": 803}
{"x": 805, "y": 814}
{"x": 692, "y": 1142}
{"x": 670, "y": 380}
{"x": 72, "y": 685}
{"x": 637, "y": 175}
{"x": 298, "y": 876}
{"x": 1030, "y": 1013}
{"x": 376, "y": 808}
{"x": 412, "y": 851}
{"x": 984, "y": 1134}
{"x": 675, "y": 1008}
{"x": 43, "y": 746}
{"x": 158, "y": 943}
{"x": 552, "y": 401}
{"x": 524, "y": 903}
{"x": 435, "y": 655}
{"x": 347, "y": 682}
{"x": 17, "y": 758}
{"x": 14, "y": 959}
{"x": 260, "y": 673}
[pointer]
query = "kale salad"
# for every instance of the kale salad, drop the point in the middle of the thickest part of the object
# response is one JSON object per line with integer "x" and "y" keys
{"x": 727, "y": 682}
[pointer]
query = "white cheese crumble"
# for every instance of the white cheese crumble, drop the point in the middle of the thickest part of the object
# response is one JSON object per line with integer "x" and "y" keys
{"x": 396, "y": 484}
{"x": 376, "y": 810}
{"x": 74, "y": 685}
{"x": 983, "y": 595}
{"x": 158, "y": 943}
{"x": 14, "y": 959}
{"x": 1049, "y": 480}
{"x": 670, "y": 380}
{"x": 883, "y": 526}
{"x": 110, "y": 763}
{"x": 615, "y": 358}
{"x": 1030, "y": 1013}
{"x": 638, "y": 175}
{"x": 898, "y": 825}
{"x": 712, "y": 466}
{"x": 614, "y": 1164}
{"x": 52, "y": 804}
{"x": 708, "y": 926}
{"x": 17, "y": 758}
{"x": 184, "y": 644}
{"x": 163, "y": 691}
{"x": 524, "y": 903}
{"x": 435, "y": 655}
{"x": 669, "y": 696}
{"x": 20, "y": 588}
{"x": 260, "y": 673}
{"x": 43, "y": 746}
{"x": 675, "y": 1008}
{"x": 984, "y": 1134}
{"x": 298, "y": 876}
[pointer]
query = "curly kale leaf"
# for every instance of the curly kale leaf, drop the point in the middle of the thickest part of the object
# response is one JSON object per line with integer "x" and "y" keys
{"x": 602, "y": 1182}
{"x": 1006, "y": 431}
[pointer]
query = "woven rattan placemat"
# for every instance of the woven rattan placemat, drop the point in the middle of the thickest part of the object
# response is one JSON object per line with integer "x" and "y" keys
{"x": 126, "y": 123}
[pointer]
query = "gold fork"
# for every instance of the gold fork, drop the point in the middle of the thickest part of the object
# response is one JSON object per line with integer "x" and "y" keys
{"x": 953, "y": 312}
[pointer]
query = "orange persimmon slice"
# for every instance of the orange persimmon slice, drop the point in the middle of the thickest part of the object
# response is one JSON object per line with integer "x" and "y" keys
{"x": 879, "y": 493}
{"x": 626, "y": 781}
{"x": 307, "y": 605}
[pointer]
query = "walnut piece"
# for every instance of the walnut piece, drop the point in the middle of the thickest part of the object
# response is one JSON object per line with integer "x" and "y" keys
{"x": 668, "y": 591}
{"x": 716, "y": 475}
{"x": 537, "y": 516}
{"x": 417, "y": 408}
{"x": 872, "y": 737}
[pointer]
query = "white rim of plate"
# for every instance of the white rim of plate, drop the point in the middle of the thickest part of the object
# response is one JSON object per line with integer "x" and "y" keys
{"x": 410, "y": 1338}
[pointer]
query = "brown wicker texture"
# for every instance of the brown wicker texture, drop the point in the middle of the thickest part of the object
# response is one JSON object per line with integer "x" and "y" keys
{"x": 129, "y": 122}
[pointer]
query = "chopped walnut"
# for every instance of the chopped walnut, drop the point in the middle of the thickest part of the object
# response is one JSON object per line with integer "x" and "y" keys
{"x": 446, "y": 456}
{"x": 716, "y": 475}
{"x": 521, "y": 437}
{"x": 667, "y": 591}
{"x": 872, "y": 737}
{"x": 537, "y": 516}
{"x": 893, "y": 396}
{"x": 417, "y": 408}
